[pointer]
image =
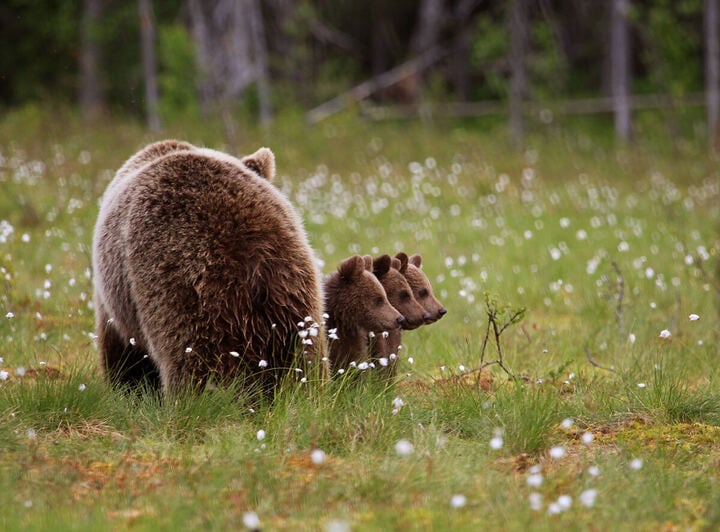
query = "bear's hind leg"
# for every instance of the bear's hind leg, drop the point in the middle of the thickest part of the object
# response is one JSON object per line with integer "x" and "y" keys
{"x": 124, "y": 364}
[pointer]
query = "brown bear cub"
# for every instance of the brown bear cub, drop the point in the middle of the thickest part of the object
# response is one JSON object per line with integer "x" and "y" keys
{"x": 357, "y": 306}
{"x": 202, "y": 271}
{"x": 422, "y": 290}
{"x": 385, "y": 349}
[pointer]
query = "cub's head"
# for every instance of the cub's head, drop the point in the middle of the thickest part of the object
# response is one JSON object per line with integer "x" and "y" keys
{"x": 355, "y": 298}
{"x": 398, "y": 289}
{"x": 421, "y": 288}
{"x": 262, "y": 162}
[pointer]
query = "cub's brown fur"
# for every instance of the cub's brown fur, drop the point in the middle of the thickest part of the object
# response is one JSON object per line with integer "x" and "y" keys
{"x": 385, "y": 349}
{"x": 202, "y": 267}
{"x": 357, "y": 305}
{"x": 422, "y": 290}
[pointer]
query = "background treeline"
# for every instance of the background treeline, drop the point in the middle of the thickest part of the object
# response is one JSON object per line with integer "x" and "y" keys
{"x": 167, "y": 58}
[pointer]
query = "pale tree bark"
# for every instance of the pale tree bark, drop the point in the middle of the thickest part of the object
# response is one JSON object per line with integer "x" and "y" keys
{"x": 712, "y": 70}
{"x": 231, "y": 54}
{"x": 462, "y": 42}
{"x": 620, "y": 68}
{"x": 147, "y": 45}
{"x": 259, "y": 45}
{"x": 518, "y": 80}
{"x": 90, "y": 94}
{"x": 431, "y": 15}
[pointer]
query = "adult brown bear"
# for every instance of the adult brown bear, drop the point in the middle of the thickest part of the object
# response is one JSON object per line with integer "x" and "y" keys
{"x": 202, "y": 271}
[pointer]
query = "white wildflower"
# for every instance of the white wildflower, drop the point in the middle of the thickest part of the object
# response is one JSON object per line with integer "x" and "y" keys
{"x": 4, "y": 375}
{"x": 404, "y": 448}
{"x": 317, "y": 456}
{"x": 82, "y": 387}
{"x": 665, "y": 333}
{"x": 235, "y": 354}
{"x": 263, "y": 364}
{"x": 587, "y": 497}
{"x": 593, "y": 471}
{"x": 261, "y": 435}
{"x": 383, "y": 361}
{"x": 636, "y": 464}
{"x": 536, "y": 501}
{"x": 567, "y": 423}
{"x": 251, "y": 521}
{"x": 693, "y": 317}
{"x": 9, "y": 315}
{"x": 557, "y": 452}
{"x": 587, "y": 438}
{"x": 458, "y": 501}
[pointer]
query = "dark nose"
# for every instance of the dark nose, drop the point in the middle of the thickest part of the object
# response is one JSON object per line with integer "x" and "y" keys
{"x": 400, "y": 320}
{"x": 442, "y": 311}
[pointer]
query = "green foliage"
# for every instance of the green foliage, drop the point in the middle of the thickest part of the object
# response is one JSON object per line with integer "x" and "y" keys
{"x": 177, "y": 77}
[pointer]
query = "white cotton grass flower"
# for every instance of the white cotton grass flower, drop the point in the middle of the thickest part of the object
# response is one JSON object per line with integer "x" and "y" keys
{"x": 693, "y": 317}
{"x": 535, "y": 480}
{"x": 636, "y": 464}
{"x": 567, "y": 423}
{"x": 20, "y": 371}
{"x": 363, "y": 366}
{"x": 631, "y": 338}
{"x": 458, "y": 501}
{"x": 132, "y": 341}
{"x": 383, "y": 362}
{"x": 587, "y": 498}
{"x": 317, "y": 456}
{"x": 251, "y": 521}
{"x": 665, "y": 334}
{"x": 558, "y": 452}
{"x": 593, "y": 471}
{"x": 235, "y": 354}
{"x": 641, "y": 385}
{"x": 188, "y": 349}
{"x": 82, "y": 387}
{"x": 4, "y": 375}
{"x": 565, "y": 502}
{"x": 587, "y": 438}
{"x": 261, "y": 435}
{"x": 496, "y": 442}
{"x": 536, "y": 501}
{"x": 337, "y": 525}
{"x": 385, "y": 334}
{"x": 9, "y": 315}
{"x": 404, "y": 448}
{"x": 263, "y": 364}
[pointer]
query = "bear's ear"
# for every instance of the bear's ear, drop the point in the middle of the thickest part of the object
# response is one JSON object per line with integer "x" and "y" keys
{"x": 395, "y": 264}
{"x": 381, "y": 265}
{"x": 262, "y": 162}
{"x": 416, "y": 260}
{"x": 351, "y": 268}
{"x": 368, "y": 260}
{"x": 403, "y": 258}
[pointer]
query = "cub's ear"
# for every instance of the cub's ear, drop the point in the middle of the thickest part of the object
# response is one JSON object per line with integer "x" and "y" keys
{"x": 395, "y": 264}
{"x": 262, "y": 162}
{"x": 381, "y": 265}
{"x": 416, "y": 260}
{"x": 368, "y": 262}
{"x": 351, "y": 268}
{"x": 403, "y": 258}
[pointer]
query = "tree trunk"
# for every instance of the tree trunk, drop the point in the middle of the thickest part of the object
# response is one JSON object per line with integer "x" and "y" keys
{"x": 147, "y": 42}
{"x": 518, "y": 80}
{"x": 259, "y": 43}
{"x": 712, "y": 71}
{"x": 91, "y": 99}
{"x": 620, "y": 68}
{"x": 461, "y": 44}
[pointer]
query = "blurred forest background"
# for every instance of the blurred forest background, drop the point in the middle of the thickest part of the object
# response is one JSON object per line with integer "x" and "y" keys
{"x": 522, "y": 60}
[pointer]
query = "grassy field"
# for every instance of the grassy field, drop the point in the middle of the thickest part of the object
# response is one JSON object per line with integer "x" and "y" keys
{"x": 610, "y": 424}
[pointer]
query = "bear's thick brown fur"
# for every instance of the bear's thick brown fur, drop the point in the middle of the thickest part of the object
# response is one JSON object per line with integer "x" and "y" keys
{"x": 422, "y": 289}
{"x": 202, "y": 269}
{"x": 357, "y": 305}
{"x": 385, "y": 349}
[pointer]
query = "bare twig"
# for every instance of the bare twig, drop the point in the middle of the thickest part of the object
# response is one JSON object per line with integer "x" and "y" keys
{"x": 619, "y": 313}
{"x": 592, "y": 362}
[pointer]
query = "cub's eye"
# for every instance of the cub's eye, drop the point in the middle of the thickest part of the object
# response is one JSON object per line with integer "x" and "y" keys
{"x": 404, "y": 295}
{"x": 423, "y": 292}
{"x": 379, "y": 300}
